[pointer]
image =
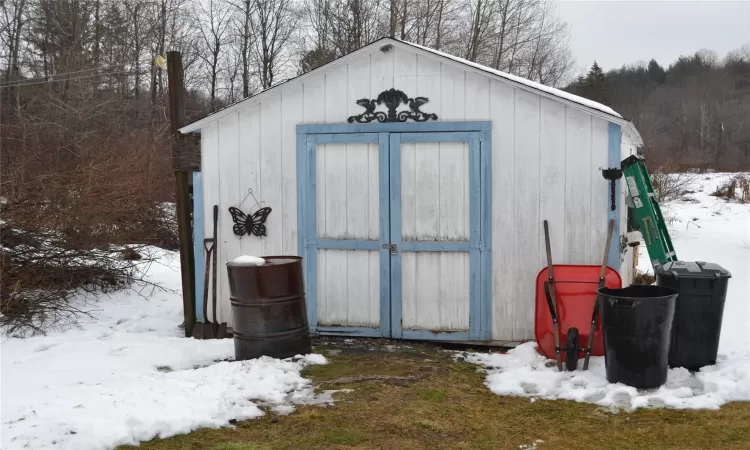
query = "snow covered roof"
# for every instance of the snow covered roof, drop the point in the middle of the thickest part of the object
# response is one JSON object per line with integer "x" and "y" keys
{"x": 532, "y": 84}
{"x": 591, "y": 106}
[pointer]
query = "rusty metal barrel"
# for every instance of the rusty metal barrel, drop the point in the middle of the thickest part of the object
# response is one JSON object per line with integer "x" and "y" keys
{"x": 268, "y": 308}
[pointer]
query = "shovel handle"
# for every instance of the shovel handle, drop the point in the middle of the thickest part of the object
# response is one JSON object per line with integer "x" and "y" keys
{"x": 550, "y": 303}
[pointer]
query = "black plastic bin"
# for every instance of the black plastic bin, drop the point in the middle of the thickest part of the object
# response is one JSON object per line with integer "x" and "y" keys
{"x": 637, "y": 322}
{"x": 268, "y": 308}
{"x": 702, "y": 289}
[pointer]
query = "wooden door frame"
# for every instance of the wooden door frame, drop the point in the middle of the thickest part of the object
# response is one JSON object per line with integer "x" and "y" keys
{"x": 310, "y": 135}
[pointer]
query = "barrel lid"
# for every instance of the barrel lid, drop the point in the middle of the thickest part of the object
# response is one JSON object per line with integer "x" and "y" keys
{"x": 247, "y": 260}
{"x": 690, "y": 269}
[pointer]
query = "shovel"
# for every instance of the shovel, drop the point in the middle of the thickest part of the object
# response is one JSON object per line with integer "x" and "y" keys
{"x": 207, "y": 329}
{"x": 219, "y": 329}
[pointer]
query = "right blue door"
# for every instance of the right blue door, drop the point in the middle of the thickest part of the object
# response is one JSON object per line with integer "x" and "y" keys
{"x": 436, "y": 236}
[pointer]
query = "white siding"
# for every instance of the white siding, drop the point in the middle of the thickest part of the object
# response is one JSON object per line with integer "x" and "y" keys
{"x": 546, "y": 160}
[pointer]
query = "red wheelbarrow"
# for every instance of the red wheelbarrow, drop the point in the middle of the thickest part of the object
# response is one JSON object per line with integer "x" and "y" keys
{"x": 575, "y": 291}
{"x": 567, "y": 309}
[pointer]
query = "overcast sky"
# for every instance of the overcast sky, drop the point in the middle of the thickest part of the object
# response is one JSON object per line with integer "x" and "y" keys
{"x": 616, "y": 32}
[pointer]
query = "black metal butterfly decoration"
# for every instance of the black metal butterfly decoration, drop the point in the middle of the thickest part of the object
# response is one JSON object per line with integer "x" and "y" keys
{"x": 249, "y": 223}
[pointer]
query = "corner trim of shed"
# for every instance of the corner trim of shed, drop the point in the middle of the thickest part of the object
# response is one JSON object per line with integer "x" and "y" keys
{"x": 614, "y": 133}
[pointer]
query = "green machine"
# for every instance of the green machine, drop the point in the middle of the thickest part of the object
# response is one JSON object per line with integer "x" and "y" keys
{"x": 647, "y": 217}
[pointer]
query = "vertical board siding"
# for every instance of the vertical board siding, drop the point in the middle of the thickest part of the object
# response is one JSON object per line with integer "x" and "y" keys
{"x": 249, "y": 170}
{"x": 314, "y": 100}
{"x": 362, "y": 191}
{"x": 210, "y": 177}
{"x": 270, "y": 175}
{"x": 552, "y": 179}
{"x": 435, "y": 291}
{"x": 348, "y": 288}
{"x": 545, "y": 165}
{"x": 453, "y": 187}
{"x": 429, "y": 72}
{"x": 477, "y": 97}
{"x": 358, "y": 83}
{"x": 600, "y": 202}
{"x": 435, "y": 191}
{"x": 434, "y": 197}
{"x": 347, "y": 191}
{"x": 336, "y": 99}
{"x": 452, "y": 93}
{"x": 381, "y": 75}
{"x": 229, "y": 191}
{"x": 578, "y": 214}
{"x": 291, "y": 115}
{"x": 502, "y": 108}
{"x": 526, "y": 224}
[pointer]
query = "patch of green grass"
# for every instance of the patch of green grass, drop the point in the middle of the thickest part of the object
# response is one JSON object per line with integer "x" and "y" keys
{"x": 449, "y": 407}
{"x": 235, "y": 446}
{"x": 342, "y": 437}
{"x": 431, "y": 395}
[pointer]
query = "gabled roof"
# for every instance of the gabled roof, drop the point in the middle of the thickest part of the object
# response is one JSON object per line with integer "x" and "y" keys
{"x": 584, "y": 103}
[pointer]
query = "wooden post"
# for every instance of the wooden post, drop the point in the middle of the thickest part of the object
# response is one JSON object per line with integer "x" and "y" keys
{"x": 187, "y": 257}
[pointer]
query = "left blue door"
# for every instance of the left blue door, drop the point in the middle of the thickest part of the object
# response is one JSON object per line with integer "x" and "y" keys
{"x": 347, "y": 233}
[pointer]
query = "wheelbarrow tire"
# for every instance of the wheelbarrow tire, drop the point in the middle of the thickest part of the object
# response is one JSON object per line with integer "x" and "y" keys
{"x": 571, "y": 350}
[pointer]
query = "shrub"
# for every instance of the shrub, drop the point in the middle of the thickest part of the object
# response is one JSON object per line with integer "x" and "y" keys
{"x": 736, "y": 189}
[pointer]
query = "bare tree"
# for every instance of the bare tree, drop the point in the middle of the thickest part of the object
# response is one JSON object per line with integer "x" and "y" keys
{"x": 246, "y": 35}
{"x": 12, "y": 22}
{"x": 273, "y": 24}
{"x": 213, "y": 21}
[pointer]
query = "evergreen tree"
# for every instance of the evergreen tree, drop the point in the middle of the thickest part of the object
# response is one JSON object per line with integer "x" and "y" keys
{"x": 595, "y": 85}
{"x": 656, "y": 72}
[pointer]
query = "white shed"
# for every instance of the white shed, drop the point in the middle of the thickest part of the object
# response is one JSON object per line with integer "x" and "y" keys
{"x": 415, "y": 229}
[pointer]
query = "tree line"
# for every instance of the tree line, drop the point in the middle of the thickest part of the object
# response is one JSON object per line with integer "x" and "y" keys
{"x": 695, "y": 113}
{"x": 85, "y": 159}
{"x": 234, "y": 48}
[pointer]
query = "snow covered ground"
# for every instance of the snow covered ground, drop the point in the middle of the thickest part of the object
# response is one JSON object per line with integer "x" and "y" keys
{"x": 703, "y": 228}
{"x": 129, "y": 375}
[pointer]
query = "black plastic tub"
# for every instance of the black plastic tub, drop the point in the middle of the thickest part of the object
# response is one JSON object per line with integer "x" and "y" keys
{"x": 637, "y": 323}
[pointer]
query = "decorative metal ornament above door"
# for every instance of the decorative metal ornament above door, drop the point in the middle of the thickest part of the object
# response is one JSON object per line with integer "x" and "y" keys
{"x": 392, "y": 98}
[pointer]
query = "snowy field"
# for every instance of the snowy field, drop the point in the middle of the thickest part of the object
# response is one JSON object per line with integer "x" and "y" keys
{"x": 703, "y": 228}
{"x": 129, "y": 375}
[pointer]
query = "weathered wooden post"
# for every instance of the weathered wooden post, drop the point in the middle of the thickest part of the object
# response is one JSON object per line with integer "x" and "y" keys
{"x": 182, "y": 151}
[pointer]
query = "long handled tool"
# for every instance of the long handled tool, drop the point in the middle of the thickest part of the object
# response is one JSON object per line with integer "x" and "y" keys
{"x": 219, "y": 329}
{"x": 549, "y": 292}
{"x": 595, "y": 315}
{"x": 205, "y": 329}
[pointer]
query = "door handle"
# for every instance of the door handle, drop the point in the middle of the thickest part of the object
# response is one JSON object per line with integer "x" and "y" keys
{"x": 392, "y": 248}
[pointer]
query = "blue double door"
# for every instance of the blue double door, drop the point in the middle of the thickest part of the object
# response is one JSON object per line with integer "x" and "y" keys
{"x": 395, "y": 238}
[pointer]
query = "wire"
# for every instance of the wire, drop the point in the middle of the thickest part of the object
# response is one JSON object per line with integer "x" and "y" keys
{"x": 11, "y": 85}
{"x": 47, "y": 78}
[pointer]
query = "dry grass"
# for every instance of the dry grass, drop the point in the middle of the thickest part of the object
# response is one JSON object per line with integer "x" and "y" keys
{"x": 643, "y": 277}
{"x": 736, "y": 189}
{"x": 450, "y": 408}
